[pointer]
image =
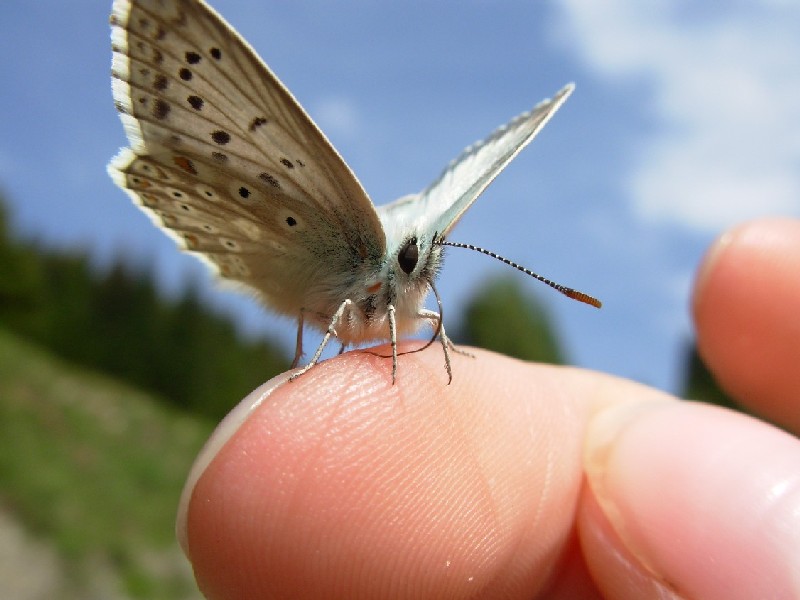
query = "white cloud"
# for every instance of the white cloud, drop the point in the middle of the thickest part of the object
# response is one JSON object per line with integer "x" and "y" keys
{"x": 726, "y": 93}
{"x": 337, "y": 116}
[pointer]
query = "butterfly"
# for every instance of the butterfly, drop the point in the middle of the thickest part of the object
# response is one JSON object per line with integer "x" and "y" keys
{"x": 224, "y": 159}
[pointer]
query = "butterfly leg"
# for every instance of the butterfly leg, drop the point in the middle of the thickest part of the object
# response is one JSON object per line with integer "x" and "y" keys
{"x": 446, "y": 339}
{"x": 435, "y": 319}
{"x": 298, "y": 349}
{"x": 458, "y": 350}
{"x": 393, "y": 340}
{"x": 326, "y": 338}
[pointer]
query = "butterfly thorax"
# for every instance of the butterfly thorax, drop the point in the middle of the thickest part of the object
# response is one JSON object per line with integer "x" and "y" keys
{"x": 402, "y": 282}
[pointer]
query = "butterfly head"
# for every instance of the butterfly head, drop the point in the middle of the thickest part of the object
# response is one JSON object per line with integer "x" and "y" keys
{"x": 403, "y": 282}
{"x": 416, "y": 262}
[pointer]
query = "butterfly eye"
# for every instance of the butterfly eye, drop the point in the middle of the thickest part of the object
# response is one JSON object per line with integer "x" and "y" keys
{"x": 408, "y": 256}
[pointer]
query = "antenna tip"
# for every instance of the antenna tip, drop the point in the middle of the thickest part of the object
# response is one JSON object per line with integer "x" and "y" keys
{"x": 585, "y": 298}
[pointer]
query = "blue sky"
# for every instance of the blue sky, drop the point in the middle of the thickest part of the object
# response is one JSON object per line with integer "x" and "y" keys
{"x": 685, "y": 121}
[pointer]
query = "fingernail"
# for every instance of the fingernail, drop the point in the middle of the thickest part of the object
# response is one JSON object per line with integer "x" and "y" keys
{"x": 606, "y": 433}
{"x": 224, "y": 431}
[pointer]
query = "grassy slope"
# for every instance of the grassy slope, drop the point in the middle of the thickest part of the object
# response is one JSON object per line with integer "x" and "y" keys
{"x": 94, "y": 469}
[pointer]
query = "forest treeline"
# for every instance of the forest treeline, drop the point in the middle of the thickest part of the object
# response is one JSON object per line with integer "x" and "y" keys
{"x": 116, "y": 321}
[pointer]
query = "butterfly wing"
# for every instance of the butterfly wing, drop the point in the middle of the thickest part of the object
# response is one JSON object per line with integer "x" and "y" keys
{"x": 225, "y": 159}
{"x": 441, "y": 205}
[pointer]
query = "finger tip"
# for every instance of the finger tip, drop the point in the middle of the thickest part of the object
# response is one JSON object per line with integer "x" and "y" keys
{"x": 738, "y": 255}
{"x": 745, "y": 311}
{"x": 220, "y": 436}
{"x": 259, "y": 449}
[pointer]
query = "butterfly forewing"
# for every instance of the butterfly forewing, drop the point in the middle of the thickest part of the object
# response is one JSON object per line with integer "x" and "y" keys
{"x": 225, "y": 157}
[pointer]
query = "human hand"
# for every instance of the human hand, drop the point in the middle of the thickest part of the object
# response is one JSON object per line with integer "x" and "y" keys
{"x": 520, "y": 480}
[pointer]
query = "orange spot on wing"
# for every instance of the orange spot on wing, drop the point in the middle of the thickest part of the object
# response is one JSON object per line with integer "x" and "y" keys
{"x": 185, "y": 164}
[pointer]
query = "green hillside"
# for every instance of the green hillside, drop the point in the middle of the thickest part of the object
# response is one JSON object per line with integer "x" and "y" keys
{"x": 90, "y": 475}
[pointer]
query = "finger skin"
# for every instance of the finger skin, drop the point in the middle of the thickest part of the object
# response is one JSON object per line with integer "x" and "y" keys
{"x": 518, "y": 481}
{"x": 342, "y": 485}
{"x": 747, "y": 314}
{"x": 693, "y": 501}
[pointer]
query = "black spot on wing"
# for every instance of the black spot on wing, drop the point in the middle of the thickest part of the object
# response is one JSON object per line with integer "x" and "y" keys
{"x": 161, "y": 109}
{"x": 256, "y": 123}
{"x": 267, "y": 178}
{"x": 160, "y": 82}
{"x": 196, "y": 102}
{"x": 221, "y": 137}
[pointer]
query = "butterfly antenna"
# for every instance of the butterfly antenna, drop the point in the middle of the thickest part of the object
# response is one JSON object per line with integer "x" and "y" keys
{"x": 569, "y": 292}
